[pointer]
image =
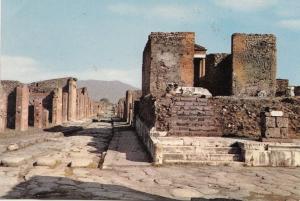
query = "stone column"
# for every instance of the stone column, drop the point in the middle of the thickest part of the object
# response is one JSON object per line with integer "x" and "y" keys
{"x": 129, "y": 105}
{"x": 45, "y": 118}
{"x": 78, "y": 104}
{"x": 22, "y": 103}
{"x": 38, "y": 112}
{"x": 72, "y": 100}
{"x": 65, "y": 107}
{"x": 85, "y": 104}
{"x": 82, "y": 106}
{"x": 57, "y": 106}
{"x": 3, "y": 109}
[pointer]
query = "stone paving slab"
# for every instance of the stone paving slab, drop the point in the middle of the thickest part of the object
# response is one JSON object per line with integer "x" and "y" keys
{"x": 137, "y": 182}
{"x": 125, "y": 149}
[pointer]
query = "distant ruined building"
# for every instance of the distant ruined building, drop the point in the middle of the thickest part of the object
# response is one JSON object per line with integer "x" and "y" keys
{"x": 217, "y": 108}
{"x": 44, "y": 104}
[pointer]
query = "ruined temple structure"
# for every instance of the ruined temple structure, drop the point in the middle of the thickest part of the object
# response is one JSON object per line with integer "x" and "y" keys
{"x": 43, "y": 104}
{"x": 221, "y": 108}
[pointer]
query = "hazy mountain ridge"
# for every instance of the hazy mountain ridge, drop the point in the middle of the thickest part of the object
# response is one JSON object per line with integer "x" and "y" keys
{"x": 112, "y": 90}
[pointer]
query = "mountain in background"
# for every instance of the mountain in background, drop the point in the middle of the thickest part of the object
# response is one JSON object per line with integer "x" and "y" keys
{"x": 112, "y": 90}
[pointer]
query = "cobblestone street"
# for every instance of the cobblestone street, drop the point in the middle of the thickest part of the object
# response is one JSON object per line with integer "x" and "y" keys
{"x": 70, "y": 167}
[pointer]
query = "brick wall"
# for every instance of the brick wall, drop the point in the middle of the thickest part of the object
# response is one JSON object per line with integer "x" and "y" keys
{"x": 254, "y": 64}
{"x": 167, "y": 58}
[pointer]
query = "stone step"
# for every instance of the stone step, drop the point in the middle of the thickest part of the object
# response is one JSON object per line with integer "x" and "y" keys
{"x": 202, "y": 157}
{"x": 202, "y": 150}
{"x": 204, "y": 133}
{"x": 194, "y": 128}
{"x": 207, "y": 163}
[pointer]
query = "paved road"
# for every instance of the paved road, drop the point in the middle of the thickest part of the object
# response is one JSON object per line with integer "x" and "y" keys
{"x": 69, "y": 167}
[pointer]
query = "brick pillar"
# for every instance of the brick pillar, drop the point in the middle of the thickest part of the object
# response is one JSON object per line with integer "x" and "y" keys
{"x": 22, "y": 103}
{"x": 65, "y": 107}
{"x": 38, "y": 112}
{"x": 3, "y": 109}
{"x": 57, "y": 106}
{"x": 72, "y": 100}
{"x": 45, "y": 118}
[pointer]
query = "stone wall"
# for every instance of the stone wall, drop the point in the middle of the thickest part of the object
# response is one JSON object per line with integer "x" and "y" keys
{"x": 218, "y": 77}
{"x": 167, "y": 58}
{"x": 282, "y": 87}
{"x": 254, "y": 64}
{"x": 218, "y": 116}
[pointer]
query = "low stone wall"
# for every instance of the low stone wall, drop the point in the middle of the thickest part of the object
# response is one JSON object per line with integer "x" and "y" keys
{"x": 219, "y": 116}
{"x": 144, "y": 133}
{"x": 271, "y": 154}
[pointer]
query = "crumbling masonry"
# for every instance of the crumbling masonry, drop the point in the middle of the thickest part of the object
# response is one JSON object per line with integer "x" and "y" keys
{"x": 192, "y": 102}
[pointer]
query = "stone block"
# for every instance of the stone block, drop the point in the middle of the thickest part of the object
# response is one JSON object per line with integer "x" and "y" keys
{"x": 13, "y": 161}
{"x": 270, "y": 122}
{"x": 276, "y": 113}
{"x": 173, "y": 156}
{"x": 284, "y": 132}
{"x": 282, "y": 122}
{"x": 46, "y": 161}
{"x": 273, "y": 133}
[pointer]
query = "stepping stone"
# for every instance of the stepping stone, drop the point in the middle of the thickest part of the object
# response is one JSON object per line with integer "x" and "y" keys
{"x": 84, "y": 163}
{"x": 185, "y": 193}
{"x": 13, "y": 147}
{"x": 46, "y": 161}
{"x": 13, "y": 161}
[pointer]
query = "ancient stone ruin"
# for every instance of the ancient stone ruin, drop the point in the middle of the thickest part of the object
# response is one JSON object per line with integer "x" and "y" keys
{"x": 220, "y": 108}
{"x": 44, "y": 104}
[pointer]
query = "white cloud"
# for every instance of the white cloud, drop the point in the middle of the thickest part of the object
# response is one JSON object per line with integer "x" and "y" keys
{"x": 292, "y": 24}
{"x": 26, "y": 69}
{"x": 159, "y": 11}
{"x": 245, "y": 5}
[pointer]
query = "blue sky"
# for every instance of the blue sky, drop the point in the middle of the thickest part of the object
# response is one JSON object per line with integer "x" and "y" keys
{"x": 104, "y": 39}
